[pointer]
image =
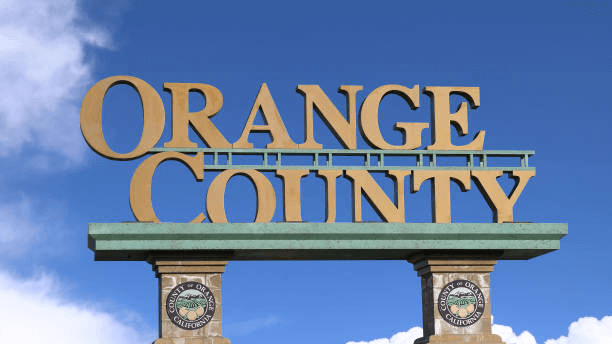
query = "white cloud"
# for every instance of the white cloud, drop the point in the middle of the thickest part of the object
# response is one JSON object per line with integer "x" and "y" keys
{"x": 587, "y": 330}
{"x": 509, "y": 337}
{"x": 15, "y": 226}
{"x": 24, "y": 224}
{"x": 584, "y": 330}
{"x": 407, "y": 337}
{"x": 249, "y": 326}
{"x": 34, "y": 311}
{"x": 43, "y": 75}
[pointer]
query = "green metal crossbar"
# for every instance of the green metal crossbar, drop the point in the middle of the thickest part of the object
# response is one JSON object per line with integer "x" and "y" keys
{"x": 321, "y": 241}
{"x": 230, "y": 156}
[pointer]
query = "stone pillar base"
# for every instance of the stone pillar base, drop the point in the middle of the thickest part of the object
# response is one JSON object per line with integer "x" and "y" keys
{"x": 172, "y": 273}
{"x": 183, "y": 340}
{"x": 463, "y": 339}
{"x": 456, "y": 299}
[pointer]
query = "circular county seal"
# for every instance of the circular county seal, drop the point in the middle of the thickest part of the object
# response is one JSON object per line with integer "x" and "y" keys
{"x": 190, "y": 305}
{"x": 461, "y": 303}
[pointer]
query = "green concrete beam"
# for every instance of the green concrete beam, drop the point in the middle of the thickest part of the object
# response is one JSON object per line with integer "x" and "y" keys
{"x": 321, "y": 241}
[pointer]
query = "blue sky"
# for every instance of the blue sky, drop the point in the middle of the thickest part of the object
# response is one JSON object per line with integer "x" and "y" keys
{"x": 543, "y": 70}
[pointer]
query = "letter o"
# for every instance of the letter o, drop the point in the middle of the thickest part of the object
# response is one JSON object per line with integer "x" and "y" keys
{"x": 91, "y": 116}
{"x": 215, "y": 198}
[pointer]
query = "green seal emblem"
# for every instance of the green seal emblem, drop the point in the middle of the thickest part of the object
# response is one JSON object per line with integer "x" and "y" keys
{"x": 190, "y": 305}
{"x": 461, "y": 303}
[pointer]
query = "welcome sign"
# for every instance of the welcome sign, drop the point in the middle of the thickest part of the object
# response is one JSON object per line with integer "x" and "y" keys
{"x": 226, "y": 156}
{"x": 453, "y": 259}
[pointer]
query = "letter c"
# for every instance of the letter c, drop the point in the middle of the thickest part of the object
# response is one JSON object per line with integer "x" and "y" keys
{"x": 140, "y": 186}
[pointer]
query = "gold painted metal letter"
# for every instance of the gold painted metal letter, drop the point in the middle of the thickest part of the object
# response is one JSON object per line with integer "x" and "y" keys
{"x": 345, "y": 131}
{"x": 442, "y": 118}
{"x": 501, "y": 205}
{"x": 440, "y": 194}
{"x": 140, "y": 186}
{"x": 292, "y": 193}
{"x": 199, "y": 121}
{"x": 274, "y": 124}
{"x": 364, "y": 183}
{"x": 369, "y": 118}
{"x": 91, "y": 117}
{"x": 266, "y": 198}
{"x": 330, "y": 177}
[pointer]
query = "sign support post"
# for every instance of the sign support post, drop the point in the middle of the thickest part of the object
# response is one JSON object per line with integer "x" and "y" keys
{"x": 178, "y": 277}
{"x": 445, "y": 281}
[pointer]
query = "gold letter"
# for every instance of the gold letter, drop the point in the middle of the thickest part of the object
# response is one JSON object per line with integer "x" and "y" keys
{"x": 369, "y": 118}
{"x": 330, "y": 182}
{"x": 91, "y": 117}
{"x": 440, "y": 193}
{"x": 199, "y": 121}
{"x": 345, "y": 131}
{"x": 442, "y": 118}
{"x": 274, "y": 124}
{"x": 140, "y": 186}
{"x": 364, "y": 183}
{"x": 291, "y": 185}
{"x": 215, "y": 198}
{"x": 495, "y": 195}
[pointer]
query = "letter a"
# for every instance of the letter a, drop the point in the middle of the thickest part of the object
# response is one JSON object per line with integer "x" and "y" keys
{"x": 274, "y": 124}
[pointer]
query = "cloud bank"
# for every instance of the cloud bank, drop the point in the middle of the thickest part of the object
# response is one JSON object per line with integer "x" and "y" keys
{"x": 34, "y": 311}
{"x": 587, "y": 330}
{"x": 16, "y": 230}
{"x": 43, "y": 75}
{"x": 509, "y": 337}
{"x": 584, "y": 330}
{"x": 399, "y": 338}
{"x": 31, "y": 228}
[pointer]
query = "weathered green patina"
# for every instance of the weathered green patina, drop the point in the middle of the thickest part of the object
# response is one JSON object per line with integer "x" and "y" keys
{"x": 322, "y": 241}
{"x": 225, "y": 158}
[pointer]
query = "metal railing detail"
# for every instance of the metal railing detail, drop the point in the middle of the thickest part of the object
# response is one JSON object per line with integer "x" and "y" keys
{"x": 229, "y": 158}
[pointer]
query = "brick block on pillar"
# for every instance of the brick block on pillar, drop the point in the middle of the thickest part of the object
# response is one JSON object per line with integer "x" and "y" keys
{"x": 172, "y": 273}
{"x": 464, "y": 313}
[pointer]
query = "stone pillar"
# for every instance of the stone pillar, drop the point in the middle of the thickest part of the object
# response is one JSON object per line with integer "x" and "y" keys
{"x": 173, "y": 273}
{"x": 464, "y": 313}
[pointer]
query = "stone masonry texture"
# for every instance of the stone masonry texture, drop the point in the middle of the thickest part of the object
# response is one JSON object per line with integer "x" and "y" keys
{"x": 172, "y": 273}
{"x": 435, "y": 275}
